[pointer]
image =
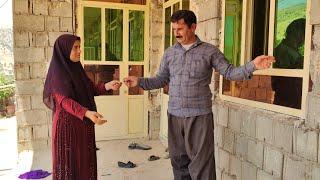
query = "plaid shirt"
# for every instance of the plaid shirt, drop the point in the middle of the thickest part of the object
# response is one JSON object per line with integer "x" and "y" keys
{"x": 188, "y": 73}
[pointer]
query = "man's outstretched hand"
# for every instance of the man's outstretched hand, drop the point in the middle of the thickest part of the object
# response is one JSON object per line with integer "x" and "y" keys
{"x": 263, "y": 62}
{"x": 131, "y": 81}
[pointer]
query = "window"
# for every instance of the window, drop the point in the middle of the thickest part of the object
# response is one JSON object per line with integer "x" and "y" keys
{"x": 114, "y": 36}
{"x": 278, "y": 28}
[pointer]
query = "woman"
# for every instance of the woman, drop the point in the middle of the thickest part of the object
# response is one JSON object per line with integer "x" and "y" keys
{"x": 70, "y": 95}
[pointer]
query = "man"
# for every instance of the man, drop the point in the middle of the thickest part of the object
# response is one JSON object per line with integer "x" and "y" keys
{"x": 187, "y": 68}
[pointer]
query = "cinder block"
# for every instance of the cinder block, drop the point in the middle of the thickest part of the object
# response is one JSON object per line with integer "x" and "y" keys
{"x": 21, "y": 39}
{"x": 21, "y": 6}
{"x": 241, "y": 146}
{"x": 58, "y": 8}
{"x": 28, "y": 23}
{"x": 306, "y": 144}
{"x": 66, "y": 24}
{"x": 315, "y": 173}
{"x": 264, "y": 129}
{"x": 273, "y": 162}
{"x": 249, "y": 172}
{"x": 42, "y": 39}
{"x": 235, "y": 119}
{"x": 52, "y": 24}
{"x": 265, "y": 176}
{"x": 29, "y": 87}
{"x": 22, "y": 71}
{"x": 40, "y": 132}
{"x": 23, "y": 103}
{"x": 31, "y": 54}
{"x": 25, "y": 133}
{"x": 248, "y": 125}
{"x": 38, "y": 70}
{"x": 294, "y": 169}
{"x": 283, "y": 136}
{"x": 40, "y": 7}
{"x": 228, "y": 140}
{"x": 255, "y": 153}
{"x": 37, "y": 102}
{"x": 223, "y": 116}
{"x": 224, "y": 160}
{"x": 33, "y": 117}
{"x": 235, "y": 167}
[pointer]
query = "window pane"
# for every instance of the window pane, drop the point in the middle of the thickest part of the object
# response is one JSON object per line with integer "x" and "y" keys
{"x": 92, "y": 33}
{"x": 185, "y": 4}
{"x": 136, "y": 70}
{"x": 176, "y": 7}
{"x": 284, "y": 91}
{"x": 232, "y": 35}
{"x": 136, "y": 35}
{"x": 167, "y": 27}
{"x": 103, "y": 73}
{"x": 289, "y": 34}
{"x": 114, "y": 34}
{"x": 260, "y": 28}
{"x": 142, "y": 2}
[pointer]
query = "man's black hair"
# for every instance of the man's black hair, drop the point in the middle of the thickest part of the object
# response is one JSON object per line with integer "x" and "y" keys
{"x": 188, "y": 16}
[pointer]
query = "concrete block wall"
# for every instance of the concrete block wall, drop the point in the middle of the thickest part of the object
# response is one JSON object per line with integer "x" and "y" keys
{"x": 255, "y": 144}
{"x": 36, "y": 25}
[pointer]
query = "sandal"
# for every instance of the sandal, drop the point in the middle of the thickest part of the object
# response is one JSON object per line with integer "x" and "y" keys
{"x": 129, "y": 164}
{"x": 139, "y": 146}
{"x": 153, "y": 158}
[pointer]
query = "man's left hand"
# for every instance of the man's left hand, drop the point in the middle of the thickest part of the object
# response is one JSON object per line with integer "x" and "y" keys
{"x": 263, "y": 62}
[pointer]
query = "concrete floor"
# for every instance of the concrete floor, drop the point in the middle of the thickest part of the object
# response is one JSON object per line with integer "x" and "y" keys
{"x": 109, "y": 154}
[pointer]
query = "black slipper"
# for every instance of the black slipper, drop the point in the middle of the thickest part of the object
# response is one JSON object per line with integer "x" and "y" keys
{"x": 129, "y": 164}
{"x": 139, "y": 146}
{"x": 153, "y": 158}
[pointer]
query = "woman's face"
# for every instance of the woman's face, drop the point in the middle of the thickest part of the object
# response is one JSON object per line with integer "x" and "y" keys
{"x": 75, "y": 52}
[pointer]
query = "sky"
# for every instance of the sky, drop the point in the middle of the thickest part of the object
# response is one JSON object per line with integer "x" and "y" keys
{"x": 5, "y": 13}
{"x": 288, "y": 3}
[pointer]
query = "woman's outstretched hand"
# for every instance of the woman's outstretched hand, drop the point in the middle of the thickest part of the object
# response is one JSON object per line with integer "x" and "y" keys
{"x": 95, "y": 117}
{"x": 113, "y": 85}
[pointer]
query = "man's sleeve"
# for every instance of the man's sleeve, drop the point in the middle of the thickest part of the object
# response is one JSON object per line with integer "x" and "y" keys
{"x": 228, "y": 70}
{"x": 161, "y": 79}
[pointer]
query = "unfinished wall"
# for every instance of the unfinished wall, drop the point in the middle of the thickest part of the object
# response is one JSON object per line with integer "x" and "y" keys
{"x": 155, "y": 55}
{"x": 255, "y": 144}
{"x": 36, "y": 25}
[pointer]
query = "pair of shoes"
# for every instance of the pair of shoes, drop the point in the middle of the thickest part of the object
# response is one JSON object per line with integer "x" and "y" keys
{"x": 129, "y": 164}
{"x": 153, "y": 158}
{"x": 139, "y": 146}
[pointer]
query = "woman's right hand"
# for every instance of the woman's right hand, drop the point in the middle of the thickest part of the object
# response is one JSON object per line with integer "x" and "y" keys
{"x": 95, "y": 117}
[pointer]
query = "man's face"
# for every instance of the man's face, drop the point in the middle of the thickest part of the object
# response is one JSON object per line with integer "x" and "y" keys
{"x": 183, "y": 33}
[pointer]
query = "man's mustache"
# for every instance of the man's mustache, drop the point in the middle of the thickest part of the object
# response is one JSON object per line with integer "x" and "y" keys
{"x": 178, "y": 37}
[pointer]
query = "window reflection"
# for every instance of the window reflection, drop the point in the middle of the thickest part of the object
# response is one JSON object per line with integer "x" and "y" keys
{"x": 103, "y": 73}
{"x": 114, "y": 34}
{"x": 284, "y": 91}
{"x": 136, "y": 70}
{"x": 290, "y": 34}
{"x": 232, "y": 36}
{"x": 92, "y": 33}
{"x": 136, "y": 35}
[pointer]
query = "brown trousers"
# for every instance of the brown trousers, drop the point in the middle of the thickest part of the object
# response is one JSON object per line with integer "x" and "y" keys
{"x": 191, "y": 147}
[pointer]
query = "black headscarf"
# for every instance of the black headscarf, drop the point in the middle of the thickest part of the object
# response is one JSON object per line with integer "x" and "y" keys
{"x": 66, "y": 77}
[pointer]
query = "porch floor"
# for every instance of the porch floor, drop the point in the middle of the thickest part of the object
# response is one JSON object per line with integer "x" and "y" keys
{"x": 107, "y": 157}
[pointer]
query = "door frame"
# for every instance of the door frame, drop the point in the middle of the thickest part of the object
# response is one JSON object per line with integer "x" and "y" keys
{"x": 124, "y": 63}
